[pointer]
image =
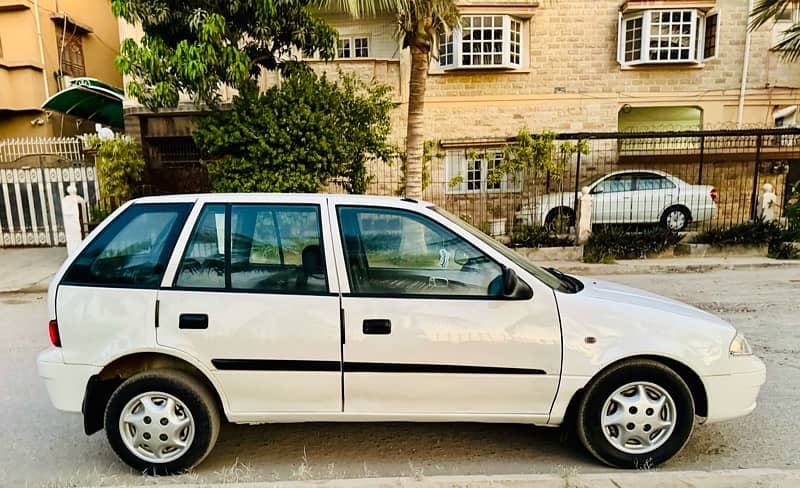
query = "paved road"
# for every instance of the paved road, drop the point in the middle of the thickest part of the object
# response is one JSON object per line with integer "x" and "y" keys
{"x": 42, "y": 446}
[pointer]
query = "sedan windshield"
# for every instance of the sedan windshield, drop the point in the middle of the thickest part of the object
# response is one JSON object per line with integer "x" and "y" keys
{"x": 549, "y": 276}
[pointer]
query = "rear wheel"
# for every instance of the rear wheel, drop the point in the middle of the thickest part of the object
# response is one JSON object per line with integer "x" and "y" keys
{"x": 637, "y": 414}
{"x": 676, "y": 218}
{"x": 162, "y": 422}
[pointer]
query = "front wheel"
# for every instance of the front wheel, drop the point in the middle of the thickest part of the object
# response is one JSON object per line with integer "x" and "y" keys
{"x": 162, "y": 422}
{"x": 636, "y": 415}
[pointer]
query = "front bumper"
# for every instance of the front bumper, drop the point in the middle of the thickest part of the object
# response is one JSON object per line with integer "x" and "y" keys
{"x": 65, "y": 383}
{"x": 734, "y": 395}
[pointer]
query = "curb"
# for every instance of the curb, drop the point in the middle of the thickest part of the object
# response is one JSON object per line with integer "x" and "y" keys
{"x": 659, "y": 268}
{"x": 737, "y": 478}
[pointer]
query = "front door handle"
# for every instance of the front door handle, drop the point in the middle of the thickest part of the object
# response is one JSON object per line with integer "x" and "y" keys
{"x": 377, "y": 326}
{"x": 193, "y": 321}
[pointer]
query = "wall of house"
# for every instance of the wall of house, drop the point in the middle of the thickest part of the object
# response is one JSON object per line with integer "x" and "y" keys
{"x": 23, "y": 70}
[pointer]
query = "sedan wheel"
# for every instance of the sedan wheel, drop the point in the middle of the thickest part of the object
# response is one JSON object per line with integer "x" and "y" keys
{"x": 636, "y": 414}
{"x": 157, "y": 427}
{"x": 675, "y": 219}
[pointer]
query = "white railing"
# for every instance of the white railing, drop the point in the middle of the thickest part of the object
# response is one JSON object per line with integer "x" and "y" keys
{"x": 68, "y": 148}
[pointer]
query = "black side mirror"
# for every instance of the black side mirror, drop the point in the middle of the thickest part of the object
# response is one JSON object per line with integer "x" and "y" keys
{"x": 513, "y": 287}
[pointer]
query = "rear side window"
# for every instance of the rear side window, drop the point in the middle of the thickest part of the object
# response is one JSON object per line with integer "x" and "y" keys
{"x": 133, "y": 250}
{"x": 262, "y": 248}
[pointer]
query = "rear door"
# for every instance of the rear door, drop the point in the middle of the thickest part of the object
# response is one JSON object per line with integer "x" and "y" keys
{"x": 252, "y": 300}
{"x": 653, "y": 194}
{"x": 427, "y": 330}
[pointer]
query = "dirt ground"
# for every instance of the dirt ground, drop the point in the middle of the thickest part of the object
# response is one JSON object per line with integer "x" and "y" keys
{"x": 44, "y": 447}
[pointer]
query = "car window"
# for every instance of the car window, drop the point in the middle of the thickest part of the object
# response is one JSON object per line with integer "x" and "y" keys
{"x": 396, "y": 252}
{"x": 650, "y": 181}
{"x": 273, "y": 248}
{"x": 615, "y": 184}
{"x": 133, "y": 250}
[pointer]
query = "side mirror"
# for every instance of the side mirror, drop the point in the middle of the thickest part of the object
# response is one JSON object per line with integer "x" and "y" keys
{"x": 513, "y": 287}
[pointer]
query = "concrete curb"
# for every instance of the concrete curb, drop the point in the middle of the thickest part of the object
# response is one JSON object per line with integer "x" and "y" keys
{"x": 741, "y": 478}
{"x": 655, "y": 267}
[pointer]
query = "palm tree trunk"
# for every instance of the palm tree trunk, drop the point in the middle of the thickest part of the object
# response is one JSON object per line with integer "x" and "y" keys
{"x": 415, "y": 137}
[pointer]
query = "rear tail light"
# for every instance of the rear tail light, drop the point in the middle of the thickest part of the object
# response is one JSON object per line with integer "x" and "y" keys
{"x": 55, "y": 337}
{"x": 713, "y": 194}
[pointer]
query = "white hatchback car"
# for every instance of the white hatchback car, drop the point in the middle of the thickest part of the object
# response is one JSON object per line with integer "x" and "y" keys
{"x": 628, "y": 197}
{"x": 180, "y": 311}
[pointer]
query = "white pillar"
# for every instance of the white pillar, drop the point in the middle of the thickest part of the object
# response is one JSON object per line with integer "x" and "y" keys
{"x": 583, "y": 219}
{"x": 71, "y": 210}
{"x": 766, "y": 203}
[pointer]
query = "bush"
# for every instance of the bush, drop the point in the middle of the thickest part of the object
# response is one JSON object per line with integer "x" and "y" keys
{"x": 610, "y": 243}
{"x": 755, "y": 233}
{"x": 120, "y": 165}
{"x": 537, "y": 236}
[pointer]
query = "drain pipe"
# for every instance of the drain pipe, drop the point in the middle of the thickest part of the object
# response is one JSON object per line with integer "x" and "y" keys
{"x": 745, "y": 66}
{"x": 41, "y": 49}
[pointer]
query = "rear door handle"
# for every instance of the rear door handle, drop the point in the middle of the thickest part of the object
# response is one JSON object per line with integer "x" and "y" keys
{"x": 377, "y": 326}
{"x": 193, "y": 321}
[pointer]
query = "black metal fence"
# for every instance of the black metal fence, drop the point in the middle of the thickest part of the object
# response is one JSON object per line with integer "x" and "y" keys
{"x": 691, "y": 180}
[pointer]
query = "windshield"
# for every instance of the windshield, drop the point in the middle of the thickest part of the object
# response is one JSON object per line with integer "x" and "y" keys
{"x": 550, "y": 277}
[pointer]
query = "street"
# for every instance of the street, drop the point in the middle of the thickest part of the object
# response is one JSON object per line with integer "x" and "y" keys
{"x": 45, "y": 447}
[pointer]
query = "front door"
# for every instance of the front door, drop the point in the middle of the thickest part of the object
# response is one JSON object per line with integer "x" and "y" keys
{"x": 612, "y": 199}
{"x": 427, "y": 330}
{"x": 252, "y": 300}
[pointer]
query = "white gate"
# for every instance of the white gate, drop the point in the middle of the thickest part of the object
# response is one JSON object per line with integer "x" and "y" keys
{"x": 34, "y": 176}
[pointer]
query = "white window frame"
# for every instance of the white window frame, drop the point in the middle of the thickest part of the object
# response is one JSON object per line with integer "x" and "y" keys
{"x": 697, "y": 36}
{"x": 457, "y": 166}
{"x": 352, "y": 43}
{"x": 455, "y": 37}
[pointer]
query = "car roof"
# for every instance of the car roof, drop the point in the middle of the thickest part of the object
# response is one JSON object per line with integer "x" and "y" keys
{"x": 282, "y": 197}
{"x": 626, "y": 171}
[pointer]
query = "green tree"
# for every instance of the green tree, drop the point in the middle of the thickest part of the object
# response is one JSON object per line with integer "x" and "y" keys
{"x": 765, "y": 11}
{"x": 419, "y": 24}
{"x": 195, "y": 46}
{"x": 300, "y": 136}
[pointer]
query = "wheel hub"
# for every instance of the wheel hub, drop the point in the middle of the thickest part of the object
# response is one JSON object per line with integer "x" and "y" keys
{"x": 676, "y": 220}
{"x": 638, "y": 418}
{"x": 156, "y": 427}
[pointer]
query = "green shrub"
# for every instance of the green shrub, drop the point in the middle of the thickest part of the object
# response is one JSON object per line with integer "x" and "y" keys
{"x": 755, "y": 233}
{"x": 610, "y": 243}
{"x": 537, "y": 236}
{"x": 120, "y": 165}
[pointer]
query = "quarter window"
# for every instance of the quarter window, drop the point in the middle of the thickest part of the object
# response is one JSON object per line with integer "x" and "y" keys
{"x": 668, "y": 36}
{"x": 482, "y": 41}
{"x": 133, "y": 250}
{"x": 273, "y": 248}
{"x": 396, "y": 252}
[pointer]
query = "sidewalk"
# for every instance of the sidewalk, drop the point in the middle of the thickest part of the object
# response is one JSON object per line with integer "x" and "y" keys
{"x": 741, "y": 478}
{"x": 29, "y": 270}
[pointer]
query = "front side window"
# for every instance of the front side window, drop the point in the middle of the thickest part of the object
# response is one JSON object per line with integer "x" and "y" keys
{"x": 469, "y": 172}
{"x": 273, "y": 248}
{"x": 668, "y": 36}
{"x": 133, "y": 250}
{"x": 614, "y": 184}
{"x": 392, "y": 252}
{"x": 482, "y": 41}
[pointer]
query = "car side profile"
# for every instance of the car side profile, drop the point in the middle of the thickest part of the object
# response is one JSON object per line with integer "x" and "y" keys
{"x": 628, "y": 197}
{"x": 180, "y": 312}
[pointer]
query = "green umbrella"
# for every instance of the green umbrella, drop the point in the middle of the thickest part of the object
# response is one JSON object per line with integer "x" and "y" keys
{"x": 90, "y": 99}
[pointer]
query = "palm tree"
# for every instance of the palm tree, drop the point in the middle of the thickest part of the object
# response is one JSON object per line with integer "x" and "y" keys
{"x": 419, "y": 23}
{"x": 765, "y": 11}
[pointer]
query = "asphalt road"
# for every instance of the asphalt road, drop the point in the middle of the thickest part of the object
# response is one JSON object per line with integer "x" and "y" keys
{"x": 44, "y": 447}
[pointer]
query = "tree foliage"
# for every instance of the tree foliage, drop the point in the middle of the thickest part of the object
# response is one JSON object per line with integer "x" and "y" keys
{"x": 195, "y": 46}
{"x": 300, "y": 136}
{"x": 119, "y": 164}
{"x": 766, "y": 11}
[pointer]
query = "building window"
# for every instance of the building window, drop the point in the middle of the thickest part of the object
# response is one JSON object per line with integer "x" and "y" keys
{"x": 474, "y": 174}
{"x": 353, "y": 47}
{"x": 71, "y": 53}
{"x": 482, "y": 41}
{"x": 668, "y": 36}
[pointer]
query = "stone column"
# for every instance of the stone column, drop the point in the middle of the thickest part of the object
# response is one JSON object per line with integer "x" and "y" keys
{"x": 71, "y": 210}
{"x": 583, "y": 217}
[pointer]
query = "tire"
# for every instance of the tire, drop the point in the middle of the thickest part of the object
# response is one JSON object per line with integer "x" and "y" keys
{"x": 676, "y": 218}
{"x": 560, "y": 219}
{"x": 609, "y": 444}
{"x": 192, "y": 402}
